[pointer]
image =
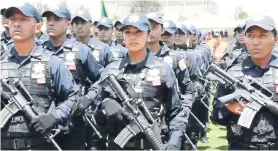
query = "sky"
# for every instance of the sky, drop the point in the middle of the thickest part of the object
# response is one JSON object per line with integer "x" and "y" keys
{"x": 226, "y": 7}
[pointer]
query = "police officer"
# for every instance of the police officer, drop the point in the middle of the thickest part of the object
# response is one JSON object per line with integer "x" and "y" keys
{"x": 168, "y": 36}
{"x": 101, "y": 51}
{"x": 118, "y": 35}
{"x": 6, "y": 40}
{"x": 152, "y": 79}
{"x": 105, "y": 31}
{"x": 45, "y": 77}
{"x": 42, "y": 37}
{"x": 175, "y": 59}
{"x": 82, "y": 65}
{"x": 261, "y": 36}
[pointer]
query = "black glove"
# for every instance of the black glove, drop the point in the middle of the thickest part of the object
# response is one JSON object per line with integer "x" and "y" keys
{"x": 82, "y": 105}
{"x": 169, "y": 147}
{"x": 43, "y": 123}
{"x": 113, "y": 108}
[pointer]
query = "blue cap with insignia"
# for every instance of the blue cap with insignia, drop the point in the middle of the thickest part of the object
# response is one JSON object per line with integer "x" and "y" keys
{"x": 59, "y": 11}
{"x": 156, "y": 17}
{"x": 198, "y": 32}
{"x": 117, "y": 23}
{"x": 26, "y": 9}
{"x": 265, "y": 22}
{"x": 241, "y": 25}
{"x": 84, "y": 15}
{"x": 182, "y": 28}
{"x": 139, "y": 21}
{"x": 191, "y": 28}
{"x": 169, "y": 26}
{"x": 107, "y": 22}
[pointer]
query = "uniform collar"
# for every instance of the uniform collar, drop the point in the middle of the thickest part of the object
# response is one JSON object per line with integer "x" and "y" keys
{"x": 164, "y": 49}
{"x": 35, "y": 53}
{"x": 249, "y": 64}
{"x": 67, "y": 43}
{"x": 149, "y": 61}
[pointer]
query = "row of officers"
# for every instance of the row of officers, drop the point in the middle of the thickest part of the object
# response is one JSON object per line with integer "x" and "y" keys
{"x": 163, "y": 63}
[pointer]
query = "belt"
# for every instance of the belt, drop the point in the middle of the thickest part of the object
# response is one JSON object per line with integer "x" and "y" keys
{"x": 258, "y": 146}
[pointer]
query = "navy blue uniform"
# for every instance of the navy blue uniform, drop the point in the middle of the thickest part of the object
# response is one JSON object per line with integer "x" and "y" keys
{"x": 6, "y": 44}
{"x": 155, "y": 82}
{"x": 101, "y": 51}
{"x": 118, "y": 51}
{"x": 263, "y": 130}
{"x": 46, "y": 79}
{"x": 42, "y": 38}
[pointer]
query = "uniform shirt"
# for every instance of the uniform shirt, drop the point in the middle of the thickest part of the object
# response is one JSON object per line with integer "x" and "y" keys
{"x": 6, "y": 43}
{"x": 264, "y": 120}
{"x": 42, "y": 38}
{"x": 181, "y": 71}
{"x": 117, "y": 50}
{"x": 86, "y": 62}
{"x": 63, "y": 84}
{"x": 174, "y": 113}
{"x": 101, "y": 51}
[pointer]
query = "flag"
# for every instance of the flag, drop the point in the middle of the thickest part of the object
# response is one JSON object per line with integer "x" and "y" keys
{"x": 103, "y": 10}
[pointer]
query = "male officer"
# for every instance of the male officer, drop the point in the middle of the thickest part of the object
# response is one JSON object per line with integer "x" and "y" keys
{"x": 45, "y": 77}
{"x": 105, "y": 31}
{"x": 168, "y": 36}
{"x": 6, "y": 40}
{"x": 117, "y": 33}
{"x": 153, "y": 80}
{"x": 101, "y": 51}
{"x": 82, "y": 65}
{"x": 42, "y": 37}
{"x": 261, "y": 36}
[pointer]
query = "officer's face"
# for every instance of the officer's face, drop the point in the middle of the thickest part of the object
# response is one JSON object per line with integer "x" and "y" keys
{"x": 73, "y": 29}
{"x": 190, "y": 40}
{"x": 56, "y": 26}
{"x": 5, "y": 22}
{"x": 82, "y": 28}
{"x": 259, "y": 42}
{"x": 135, "y": 39}
{"x": 118, "y": 33}
{"x": 23, "y": 28}
{"x": 180, "y": 38}
{"x": 240, "y": 36}
{"x": 168, "y": 39}
{"x": 156, "y": 31}
{"x": 105, "y": 33}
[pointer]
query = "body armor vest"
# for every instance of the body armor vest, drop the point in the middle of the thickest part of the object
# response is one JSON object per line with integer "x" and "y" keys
{"x": 265, "y": 123}
{"x": 36, "y": 77}
{"x": 70, "y": 54}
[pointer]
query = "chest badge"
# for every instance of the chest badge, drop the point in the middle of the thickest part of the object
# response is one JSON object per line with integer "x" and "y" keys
{"x": 168, "y": 60}
{"x": 70, "y": 61}
{"x": 96, "y": 54}
{"x": 154, "y": 76}
{"x": 38, "y": 73}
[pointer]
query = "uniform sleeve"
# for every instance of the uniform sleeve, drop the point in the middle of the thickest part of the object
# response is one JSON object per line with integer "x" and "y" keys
{"x": 64, "y": 88}
{"x": 108, "y": 55}
{"x": 91, "y": 68}
{"x": 175, "y": 115}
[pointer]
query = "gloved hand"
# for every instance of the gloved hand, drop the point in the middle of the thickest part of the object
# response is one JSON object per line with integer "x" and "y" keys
{"x": 113, "y": 108}
{"x": 82, "y": 106}
{"x": 169, "y": 147}
{"x": 44, "y": 123}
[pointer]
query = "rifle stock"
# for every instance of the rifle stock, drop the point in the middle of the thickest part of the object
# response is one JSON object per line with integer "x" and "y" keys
{"x": 247, "y": 89}
{"x": 19, "y": 103}
{"x": 139, "y": 123}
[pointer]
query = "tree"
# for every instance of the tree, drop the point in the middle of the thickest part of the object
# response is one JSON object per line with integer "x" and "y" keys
{"x": 115, "y": 17}
{"x": 41, "y": 7}
{"x": 145, "y": 6}
{"x": 240, "y": 14}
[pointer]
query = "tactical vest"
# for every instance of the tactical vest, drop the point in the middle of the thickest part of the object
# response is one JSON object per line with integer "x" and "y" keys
{"x": 69, "y": 55}
{"x": 96, "y": 49}
{"x": 149, "y": 84}
{"x": 35, "y": 76}
{"x": 265, "y": 123}
{"x": 117, "y": 51}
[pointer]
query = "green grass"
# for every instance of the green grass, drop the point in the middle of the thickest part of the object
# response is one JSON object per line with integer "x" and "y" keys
{"x": 216, "y": 136}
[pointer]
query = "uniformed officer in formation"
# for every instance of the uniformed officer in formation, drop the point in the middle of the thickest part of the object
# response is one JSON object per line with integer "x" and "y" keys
{"x": 261, "y": 36}
{"x": 105, "y": 34}
{"x": 153, "y": 80}
{"x": 6, "y": 40}
{"x": 45, "y": 77}
{"x": 102, "y": 52}
{"x": 80, "y": 62}
{"x": 41, "y": 36}
{"x": 118, "y": 35}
